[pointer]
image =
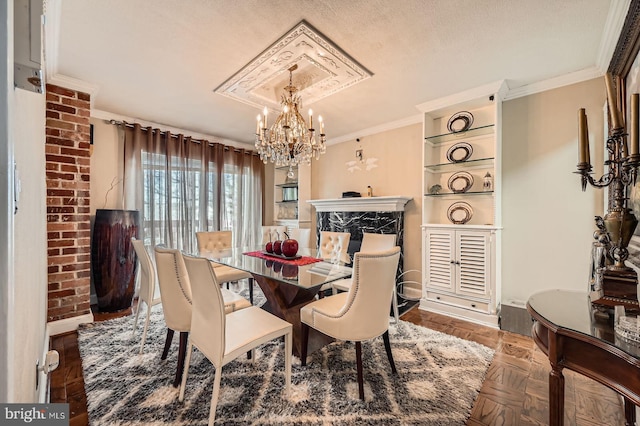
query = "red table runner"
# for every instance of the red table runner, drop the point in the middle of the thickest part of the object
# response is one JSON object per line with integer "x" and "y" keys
{"x": 304, "y": 260}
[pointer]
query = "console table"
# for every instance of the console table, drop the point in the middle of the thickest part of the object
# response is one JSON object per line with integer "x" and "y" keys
{"x": 566, "y": 329}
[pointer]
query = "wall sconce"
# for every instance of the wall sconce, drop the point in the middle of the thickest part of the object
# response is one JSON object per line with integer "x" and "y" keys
{"x": 369, "y": 163}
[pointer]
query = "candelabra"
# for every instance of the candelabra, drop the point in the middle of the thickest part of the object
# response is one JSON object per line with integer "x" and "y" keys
{"x": 618, "y": 281}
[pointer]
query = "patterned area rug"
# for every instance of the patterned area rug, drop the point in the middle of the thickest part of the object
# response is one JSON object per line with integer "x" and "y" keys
{"x": 438, "y": 381}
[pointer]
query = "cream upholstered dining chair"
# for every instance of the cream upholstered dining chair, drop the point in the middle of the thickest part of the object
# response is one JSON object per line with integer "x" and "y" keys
{"x": 212, "y": 243}
{"x": 372, "y": 243}
{"x": 333, "y": 247}
{"x": 360, "y": 314}
{"x": 273, "y": 233}
{"x": 175, "y": 292}
{"x": 302, "y": 236}
{"x": 147, "y": 289}
{"x": 222, "y": 338}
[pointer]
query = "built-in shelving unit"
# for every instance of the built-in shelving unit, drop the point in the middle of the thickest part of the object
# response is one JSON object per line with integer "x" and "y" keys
{"x": 461, "y": 205}
{"x": 291, "y": 192}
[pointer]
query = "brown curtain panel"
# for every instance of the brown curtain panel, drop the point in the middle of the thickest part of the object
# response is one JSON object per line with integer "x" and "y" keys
{"x": 182, "y": 186}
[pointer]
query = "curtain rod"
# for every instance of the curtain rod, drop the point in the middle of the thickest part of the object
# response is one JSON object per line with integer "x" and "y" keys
{"x": 173, "y": 135}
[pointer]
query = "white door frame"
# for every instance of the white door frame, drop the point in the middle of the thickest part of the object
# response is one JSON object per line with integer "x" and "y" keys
{"x": 6, "y": 205}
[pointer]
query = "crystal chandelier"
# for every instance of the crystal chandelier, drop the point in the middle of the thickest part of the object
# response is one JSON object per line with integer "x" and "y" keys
{"x": 289, "y": 142}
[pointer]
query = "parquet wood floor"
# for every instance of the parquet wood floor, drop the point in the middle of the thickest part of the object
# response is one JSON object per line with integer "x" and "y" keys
{"x": 514, "y": 391}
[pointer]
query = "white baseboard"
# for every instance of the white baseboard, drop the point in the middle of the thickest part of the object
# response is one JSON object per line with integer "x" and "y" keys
{"x": 68, "y": 324}
{"x": 489, "y": 320}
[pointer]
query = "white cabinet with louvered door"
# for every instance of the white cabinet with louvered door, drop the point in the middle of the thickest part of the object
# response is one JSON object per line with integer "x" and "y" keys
{"x": 460, "y": 278}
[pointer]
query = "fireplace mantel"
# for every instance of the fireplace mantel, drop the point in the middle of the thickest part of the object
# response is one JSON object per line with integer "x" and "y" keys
{"x": 361, "y": 204}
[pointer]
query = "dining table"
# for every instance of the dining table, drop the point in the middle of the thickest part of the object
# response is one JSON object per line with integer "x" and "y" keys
{"x": 288, "y": 284}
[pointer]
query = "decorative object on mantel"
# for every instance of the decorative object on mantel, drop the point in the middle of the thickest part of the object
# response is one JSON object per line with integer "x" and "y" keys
{"x": 619, "y": 282}
{"x": 289, "y": 142}
{"x": 351, "y": 194}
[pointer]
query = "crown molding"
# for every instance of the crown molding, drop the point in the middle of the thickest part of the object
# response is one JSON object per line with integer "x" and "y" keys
{"x": 554, "y": 83}
{"x": 52, "y": 12}
{"x": 496, "y": 88}
{"x": 113, "y": 118}
{"x": 611, "y": 33}
{"x": 392, "y": 125}
{"x": 74, "y": 84}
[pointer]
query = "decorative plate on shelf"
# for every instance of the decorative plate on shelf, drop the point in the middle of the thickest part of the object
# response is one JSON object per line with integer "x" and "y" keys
{"x": 459, "y": 152}
{"x": 459, "y": 213}
{"x": 460, "y": 182}
{"x": 460, "y": 121}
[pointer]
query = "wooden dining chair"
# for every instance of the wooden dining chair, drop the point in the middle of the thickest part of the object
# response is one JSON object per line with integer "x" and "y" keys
{"x": 175, "y": 291}
{"x": 147, "y": 289}
{"x": 223, "y": 338}
{"x": 360, "y": 314}
{"x": 372, "y": 243}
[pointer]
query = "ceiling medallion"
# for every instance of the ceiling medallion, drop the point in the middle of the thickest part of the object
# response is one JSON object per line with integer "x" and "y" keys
{"x": 323, "y": 69}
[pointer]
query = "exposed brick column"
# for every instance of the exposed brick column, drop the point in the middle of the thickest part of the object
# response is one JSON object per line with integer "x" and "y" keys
{"x": 68, "y": 211}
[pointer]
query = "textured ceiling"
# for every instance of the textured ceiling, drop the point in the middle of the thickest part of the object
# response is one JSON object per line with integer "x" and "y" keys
{"x": 160, "y": 60}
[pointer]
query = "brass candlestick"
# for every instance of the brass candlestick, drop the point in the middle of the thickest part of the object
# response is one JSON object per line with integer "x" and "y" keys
{"x": 619, "y": 281}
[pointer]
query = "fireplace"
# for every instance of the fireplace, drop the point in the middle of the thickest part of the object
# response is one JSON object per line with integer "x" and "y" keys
{"x": 377, "y": 215}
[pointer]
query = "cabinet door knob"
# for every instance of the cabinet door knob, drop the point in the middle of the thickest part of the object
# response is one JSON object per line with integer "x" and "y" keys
{"x": 453, "y": 262}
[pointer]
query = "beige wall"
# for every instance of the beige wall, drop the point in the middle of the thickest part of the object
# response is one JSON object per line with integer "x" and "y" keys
{"x": 399, "y": 172}
{"x": 548, "y": 221}
{"x": 107, "y": 168}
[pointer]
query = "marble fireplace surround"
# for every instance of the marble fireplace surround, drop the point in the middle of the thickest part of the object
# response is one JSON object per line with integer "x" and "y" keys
{"x": 379, "y": 215}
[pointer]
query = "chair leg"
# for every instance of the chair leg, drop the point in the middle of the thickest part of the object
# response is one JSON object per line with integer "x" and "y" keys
{"x": 186, "y": 372}
{"x": 251, "y": 290}
{"x": 135, "y": 321}
{"x": 184, "y": 337}
{"x": 167, "y": 343}
{"x": 214, "y": 396}
{"x": 359, "y": 368}
{"x": 394, "y": 304}
{"x": 146, "y": 326}
{"x": 304, "y": 343}
{"x": 287, "y": 362}
{"x": 387, "y": 347}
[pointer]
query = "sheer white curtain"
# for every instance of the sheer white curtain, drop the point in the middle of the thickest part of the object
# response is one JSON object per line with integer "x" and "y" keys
{"x": 182, "y": 186}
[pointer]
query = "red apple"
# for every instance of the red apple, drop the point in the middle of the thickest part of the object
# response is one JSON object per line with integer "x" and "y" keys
{"x": 269, "y": 247}
{"x": 289, "y": 247}
{"x": 277, "y": 247}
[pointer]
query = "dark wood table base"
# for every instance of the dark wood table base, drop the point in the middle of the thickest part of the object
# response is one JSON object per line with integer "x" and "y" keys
{"x": 284, "y": 301}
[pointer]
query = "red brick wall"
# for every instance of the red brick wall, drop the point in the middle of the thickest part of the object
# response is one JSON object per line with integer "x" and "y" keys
{"x": 68, "y": 215}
